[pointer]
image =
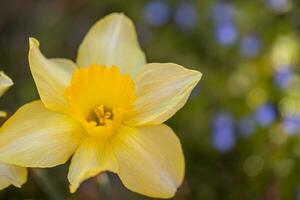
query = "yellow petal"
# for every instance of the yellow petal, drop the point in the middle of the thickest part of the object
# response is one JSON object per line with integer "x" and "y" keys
{"x": 5, "y": 83}
{"x": 150, "y": 160}
{"x": 93, "y": 156}
{"x": 12, "y": 175}
{"x": 4, "y": 183}
{"x": 51, "y": 76}
{"x": 37, "y": 137}
{"x": 161, "y": 90}
{"x": 112, "y": 41}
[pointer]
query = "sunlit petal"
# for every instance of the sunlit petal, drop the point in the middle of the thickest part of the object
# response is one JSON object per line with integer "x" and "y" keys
{"x": 51, "y": 76}
{"x": 37, "y": 137}
{"x": 150, "y": 160}
{"x": 112, "y": 41}
{"x": 161, "y": 90}
{"x": 93, "y": 156}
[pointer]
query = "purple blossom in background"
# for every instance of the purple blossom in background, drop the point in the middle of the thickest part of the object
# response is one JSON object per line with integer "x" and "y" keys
{"x": 250, "y": 46}
{"x": 186, "y": 16}
{"x": 225, "y": 28}
{"x": 291, "y": 124}
{"x": 277, "y": 5}
{"x": 157, "y": 13}
{"x": 226, "y": 33}
{"x": 222, "y": 13}
{"x": 283, "y": 76}
{"x": 223, "y": 136}
{"x": 265, "y": 114}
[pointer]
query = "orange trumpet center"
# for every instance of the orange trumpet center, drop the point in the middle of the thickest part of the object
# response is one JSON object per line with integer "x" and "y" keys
{"x": 99, "y": 97}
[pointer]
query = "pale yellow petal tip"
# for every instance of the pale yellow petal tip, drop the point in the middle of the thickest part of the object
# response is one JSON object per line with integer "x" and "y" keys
{"x": 198, "y": 75}
{"x": 117, "y": 14}
{"x": 5, "y": 80}
{"x": 5, "y": 83}
{"x": 20, "y": 180}
{"x": 33, "y": 43}
{"x": 195, "y": 76}
{"x": 73, "y": 188}
{"x": 18, "y": 185}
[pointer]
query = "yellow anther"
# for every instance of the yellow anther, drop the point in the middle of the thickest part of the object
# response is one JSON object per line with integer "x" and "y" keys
{"x": 101, "y": 109}
{"x": 107, "y": 115}
{"x": 102, "y": 114}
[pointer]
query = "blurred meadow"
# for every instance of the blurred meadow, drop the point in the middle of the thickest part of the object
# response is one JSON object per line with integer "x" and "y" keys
{"x": 240, "y": 128}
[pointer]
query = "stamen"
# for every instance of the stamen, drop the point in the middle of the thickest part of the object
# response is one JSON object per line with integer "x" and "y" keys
{"x": 103, "y": 114}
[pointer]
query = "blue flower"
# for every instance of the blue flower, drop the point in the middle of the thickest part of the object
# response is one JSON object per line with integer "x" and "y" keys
{"x": 282, "y": 77}
{"x": 222, "y": 13}
{"x": 226, "y": 33}
{"x": 223, "y": 136}
{"x": 250, "y": 46}
{"x": 186, "y": 16}
{"x": 157, "y": 13}
{"x": 277, "y": 5}
{"x": 265, "y": 114}
{"x": 291, "y": 124}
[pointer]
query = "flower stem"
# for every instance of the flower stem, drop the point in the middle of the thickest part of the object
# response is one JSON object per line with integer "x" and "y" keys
{"x": 46, "y": 184}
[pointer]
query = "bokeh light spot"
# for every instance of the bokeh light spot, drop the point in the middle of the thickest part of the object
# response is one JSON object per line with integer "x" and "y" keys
{"x": 291, "y": 124}
{"x": 157, "y": 13}
{"x": 226, "y": 33}
{"x": 253, "y": 165}
{"x": 186, "y": 16}
{"x": 223, "y": 136}
{"x": 265, "y": 114}
{"x": 250, "y": 46}
{"x": 283, "y": 77}
{"x": 279, "y": 5}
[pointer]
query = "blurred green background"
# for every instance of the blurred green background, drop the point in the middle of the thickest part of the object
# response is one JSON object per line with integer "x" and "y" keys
{"x": 240, "y": 128}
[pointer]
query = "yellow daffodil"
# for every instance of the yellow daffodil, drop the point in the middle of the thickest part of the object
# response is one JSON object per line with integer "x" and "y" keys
{"x": 9, "y": 174}
{"x": 106, "y": 110}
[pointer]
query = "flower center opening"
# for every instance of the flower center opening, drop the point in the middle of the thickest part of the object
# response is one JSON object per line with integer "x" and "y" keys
{"x": 101, "y": 115}
{"x": 99, "y": 97}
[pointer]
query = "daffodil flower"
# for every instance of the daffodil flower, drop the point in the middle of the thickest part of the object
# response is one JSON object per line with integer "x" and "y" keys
{"x": 9, "y": 174}
{"x": 107, "y": 110}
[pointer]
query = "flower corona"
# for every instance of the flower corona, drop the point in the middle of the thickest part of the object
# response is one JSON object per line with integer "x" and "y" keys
{"x": 100, "y": 97}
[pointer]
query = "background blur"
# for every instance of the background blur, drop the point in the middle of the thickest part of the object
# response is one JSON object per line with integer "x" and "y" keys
{"x": 239, "y": 130}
